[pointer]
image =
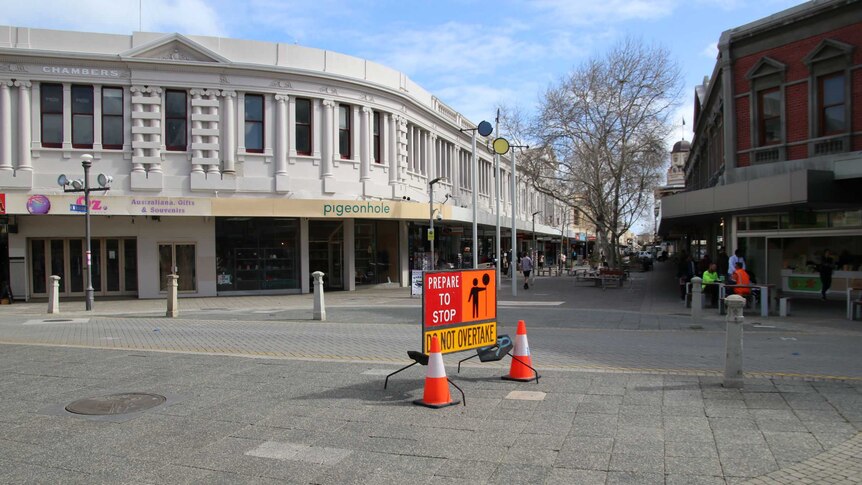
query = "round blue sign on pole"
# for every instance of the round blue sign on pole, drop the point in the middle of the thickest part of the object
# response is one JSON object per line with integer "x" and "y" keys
{"x": 485, "y": 128}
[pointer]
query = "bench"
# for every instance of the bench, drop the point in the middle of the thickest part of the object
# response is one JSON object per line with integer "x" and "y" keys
{"x": 610, "y": 276}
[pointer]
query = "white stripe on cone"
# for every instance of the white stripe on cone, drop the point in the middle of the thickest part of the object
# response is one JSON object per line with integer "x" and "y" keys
{"x": 435, "y": 366}
{"x": 522, "y": 348}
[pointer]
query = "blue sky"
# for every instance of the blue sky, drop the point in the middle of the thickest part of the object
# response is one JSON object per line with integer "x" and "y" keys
{"x": 473, "y": 55}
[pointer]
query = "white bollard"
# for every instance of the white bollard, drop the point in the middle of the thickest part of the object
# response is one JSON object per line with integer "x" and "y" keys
{"x": 696, "y": 297}
{"x": 54, "y": 294}
{"x": 319, "y": 306}
{"x": 733, "y": 345}
{"x": 173, "y": 304}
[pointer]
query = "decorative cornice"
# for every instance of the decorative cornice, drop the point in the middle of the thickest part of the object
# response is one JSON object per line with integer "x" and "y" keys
{"x": 367, "y": 110}
{"x": 328, "y": 90}
{"x": 228, "y": 93}
{"x": 329, "y": 103}
{"x": 23, "y": 84}
{"x": 223, "y": 79}
{"x": 12, "y": 68}
{"x": 282, "y": 98}
{"x": 211, "y": 93}
{"x": 6, "y": 83}
{"x": 280, "y": 84}
{"x": 145, "y": 90}
{"x": 366, "y": 97}
{"x": 197, "y": 92}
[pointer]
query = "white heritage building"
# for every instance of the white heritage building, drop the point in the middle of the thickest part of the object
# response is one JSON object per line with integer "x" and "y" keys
{"x": 242, "y": 166}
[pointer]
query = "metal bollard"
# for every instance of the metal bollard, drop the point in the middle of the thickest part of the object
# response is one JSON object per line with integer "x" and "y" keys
{"x": 696, "y": 298}
{"x": 319, "y": 306}
{"x": 733, "y": 345}
{"x": 54, "y": 295}
{"x": 173, "y": 306}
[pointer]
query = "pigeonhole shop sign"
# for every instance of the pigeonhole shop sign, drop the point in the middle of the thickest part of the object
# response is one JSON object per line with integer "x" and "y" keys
{"x": 460, "y": 308}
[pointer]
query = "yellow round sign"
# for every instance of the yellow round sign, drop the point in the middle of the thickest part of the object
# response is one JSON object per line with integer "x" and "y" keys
{"x": 501, "y": 146}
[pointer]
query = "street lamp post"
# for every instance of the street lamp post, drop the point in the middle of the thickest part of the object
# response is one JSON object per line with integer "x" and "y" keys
{"x": 84, "y": 186}
{"x": 431, "y": 235}
{"x": 484, "y": 128}
{"x": 501, "y": 147}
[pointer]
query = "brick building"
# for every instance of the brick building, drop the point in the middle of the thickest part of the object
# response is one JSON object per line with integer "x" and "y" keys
{"x": 775, "y": 167}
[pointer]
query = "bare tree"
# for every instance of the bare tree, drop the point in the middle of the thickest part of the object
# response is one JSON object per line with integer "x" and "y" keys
{"x": 601, "y": 132}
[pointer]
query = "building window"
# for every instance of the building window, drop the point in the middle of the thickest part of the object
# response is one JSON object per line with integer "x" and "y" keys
{"x": 51, "y": 102}
{"x": 112, "y": 118}
{"x": 769, "y": 102}
{"x": 82, "y": 116}
{"x": 375, "y": 122}
{"x": 254, "y": 123}
{"x": 832, "y": 114}
{"x": 176, "y": 120}
{"x": 303, "y": 126}
{"x": 344, "y": 130}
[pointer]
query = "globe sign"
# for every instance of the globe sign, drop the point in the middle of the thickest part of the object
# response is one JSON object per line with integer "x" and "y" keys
{"x": 38, "y": 204}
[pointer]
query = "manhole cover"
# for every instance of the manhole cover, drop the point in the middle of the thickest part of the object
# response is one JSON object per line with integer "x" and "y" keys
{"x": 58, "y": 320}
{"x": 115, "y": 404}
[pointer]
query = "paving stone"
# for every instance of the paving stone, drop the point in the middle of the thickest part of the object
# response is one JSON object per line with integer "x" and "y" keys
{"x": 704, "y": 449}
{"x": 673, "y": 479}
{"x": 585, "y": 461}
{"x": 466, "y": 469}
{"x": 507, "y": 474}
{"x": 641, "y": 463}
{"x": 573, "y": 476}
{"x": 692, "y": 465}
{"x": 634, "y": 478}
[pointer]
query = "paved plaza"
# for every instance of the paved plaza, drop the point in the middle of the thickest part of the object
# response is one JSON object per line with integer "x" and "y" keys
{"x": 257, "y": 392}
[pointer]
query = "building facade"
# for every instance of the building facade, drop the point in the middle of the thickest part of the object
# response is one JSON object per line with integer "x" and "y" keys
{"x": 775, "y": 167}
{"x": 241, "y": 166}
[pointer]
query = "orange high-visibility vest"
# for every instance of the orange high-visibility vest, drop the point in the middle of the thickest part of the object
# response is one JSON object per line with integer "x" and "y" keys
{"x": 741, "y": 278}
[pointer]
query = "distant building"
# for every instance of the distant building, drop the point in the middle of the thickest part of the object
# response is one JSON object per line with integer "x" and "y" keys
{"x": 775, "y": 167}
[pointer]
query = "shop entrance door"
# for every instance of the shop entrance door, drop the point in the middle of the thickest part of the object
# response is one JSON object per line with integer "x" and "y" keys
{"x": 179, "y": 259}
{"x": 66, "y": 259}
{"x": 326, "y": 252}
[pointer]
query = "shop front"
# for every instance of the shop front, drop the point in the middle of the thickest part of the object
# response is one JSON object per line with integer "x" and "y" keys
{"x": 787, "y": 249}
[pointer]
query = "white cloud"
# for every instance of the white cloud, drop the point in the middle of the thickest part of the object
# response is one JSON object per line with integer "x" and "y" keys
{"x": 586, "y": 12}
{"x": 118, "y": 17}
{"x": 711, "y": 50}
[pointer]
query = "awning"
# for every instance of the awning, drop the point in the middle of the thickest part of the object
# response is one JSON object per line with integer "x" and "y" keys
{"x": 784, "y": 191}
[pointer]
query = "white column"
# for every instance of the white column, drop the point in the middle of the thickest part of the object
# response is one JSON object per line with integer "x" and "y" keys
{"x": 392, "y": 156}
{"x": 97, "y": 117}
{"x": 197, "y": 153}
{"x": 213, "y": 129}
{"x": 317, "y": 130}
{"x": 356, "y": 120}
{"x": 365, "y": 136}
{"x": 281, "y": 129}
{"x": 410, "y": 146}
{"x": 137, "y": 128}
{"x": 326, "y": 128}
{"x": 24, "y": 127}
{"x": 156, "y": 123}
{"x": 5, "y": 126}
{"x": 432, "y": 157}
{"x": 230, "y": 124}
{"x": 291, "y": 127}
{"x": 67, "y": 116}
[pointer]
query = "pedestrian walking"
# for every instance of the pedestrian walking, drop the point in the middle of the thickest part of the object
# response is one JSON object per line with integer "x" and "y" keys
{"x": 527, "y": 268}
{"x": 825, "y": 268}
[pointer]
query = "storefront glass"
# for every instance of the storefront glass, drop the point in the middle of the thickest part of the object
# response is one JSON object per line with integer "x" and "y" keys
{"x": 257, "y": 254}
{"x": 376, "y": 252}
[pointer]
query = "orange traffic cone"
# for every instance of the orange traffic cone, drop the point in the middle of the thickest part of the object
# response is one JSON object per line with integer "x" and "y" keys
{"x": 436, "y": 393}
{"x": 522, "y": 364}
